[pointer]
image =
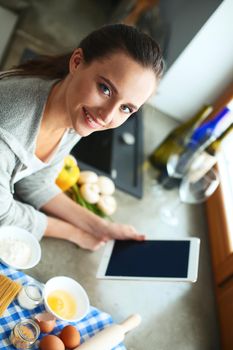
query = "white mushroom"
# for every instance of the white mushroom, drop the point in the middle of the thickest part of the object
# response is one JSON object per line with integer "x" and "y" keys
{"x": 107, "y": 204}
{"x": 106, "y": 185}
{"x": 87, "y": 177}
{"x": 90, "y": 192}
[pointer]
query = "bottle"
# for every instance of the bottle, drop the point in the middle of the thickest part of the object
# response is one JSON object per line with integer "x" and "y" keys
{"x": 215, "y": 146}
{"x": 205, "y": 130}
{"x": 177, "y": 138}
{"x": 207, "y": 159}
{"x": 203, "y": 137}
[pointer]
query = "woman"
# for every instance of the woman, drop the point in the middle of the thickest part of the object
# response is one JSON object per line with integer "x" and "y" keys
{"x": 47, "y": 105}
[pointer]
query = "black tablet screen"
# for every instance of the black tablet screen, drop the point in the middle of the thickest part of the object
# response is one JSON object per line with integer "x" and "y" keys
{"x": 149, "y": 259}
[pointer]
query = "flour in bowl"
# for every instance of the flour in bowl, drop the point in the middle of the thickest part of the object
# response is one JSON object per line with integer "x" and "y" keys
{"x": 15, "y": 252}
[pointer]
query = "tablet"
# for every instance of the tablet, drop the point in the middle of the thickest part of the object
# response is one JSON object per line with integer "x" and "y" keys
{"x": 162, "y": 259}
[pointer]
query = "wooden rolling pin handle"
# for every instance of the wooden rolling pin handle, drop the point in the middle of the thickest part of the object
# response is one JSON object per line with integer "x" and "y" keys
{"x": 131, "y": 322}
{"x": 109, "y": 337}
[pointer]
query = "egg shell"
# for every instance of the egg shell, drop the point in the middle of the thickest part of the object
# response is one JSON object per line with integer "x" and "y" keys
{"x": 46, "y": 322}
{"x": 70, "y": 337}
{"x": 51, "y": 342}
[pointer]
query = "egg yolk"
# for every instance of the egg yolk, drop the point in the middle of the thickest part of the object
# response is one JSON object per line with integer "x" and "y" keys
{"x": 62, "y": 303}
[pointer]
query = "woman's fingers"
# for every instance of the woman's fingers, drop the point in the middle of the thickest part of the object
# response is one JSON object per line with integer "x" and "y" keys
{"x": 134, "y": 235}
{"x": 86, "y": 241}
{"x": 115, "y": 231}
{"x": 98, "y": 246}
{"x": 139, "y": 237}
{"x": 123, "y": 232}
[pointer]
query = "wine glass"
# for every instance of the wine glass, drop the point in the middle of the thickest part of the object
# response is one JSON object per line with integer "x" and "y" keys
{"x": 191, "y": 191}
{"x": 180, "y": 162}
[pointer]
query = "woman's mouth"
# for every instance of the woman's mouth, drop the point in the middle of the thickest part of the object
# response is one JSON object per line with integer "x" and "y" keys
{"x": 91, "y": 120}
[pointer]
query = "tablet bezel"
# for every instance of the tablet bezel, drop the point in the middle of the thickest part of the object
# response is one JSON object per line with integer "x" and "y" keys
{"x": 193, "y": 262}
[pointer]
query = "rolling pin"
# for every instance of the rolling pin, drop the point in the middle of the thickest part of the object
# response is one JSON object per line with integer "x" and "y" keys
{"x": 111, "y": 336}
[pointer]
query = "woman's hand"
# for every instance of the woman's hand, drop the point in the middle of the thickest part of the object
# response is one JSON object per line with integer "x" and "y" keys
{"x": 85, "y": 240}
{"x": 57, "y": 228}
{"x": 91, "y": 230}
{"x": 122, "y": 232}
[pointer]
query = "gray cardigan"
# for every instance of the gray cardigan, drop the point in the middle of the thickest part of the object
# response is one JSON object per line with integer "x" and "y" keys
{"x": 22, "y": 102}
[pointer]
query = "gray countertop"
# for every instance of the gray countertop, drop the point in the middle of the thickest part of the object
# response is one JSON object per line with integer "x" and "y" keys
{"x": 174, "y": 315}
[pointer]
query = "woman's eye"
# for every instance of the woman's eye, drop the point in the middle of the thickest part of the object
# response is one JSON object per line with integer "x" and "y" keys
{"x": 105, "y": 89}
{"x": 126, "y": 109}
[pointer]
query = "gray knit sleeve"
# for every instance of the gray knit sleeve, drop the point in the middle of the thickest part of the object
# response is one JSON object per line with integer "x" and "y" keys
{"x": 39, "y": 188}
{"x": 13, "y": 212}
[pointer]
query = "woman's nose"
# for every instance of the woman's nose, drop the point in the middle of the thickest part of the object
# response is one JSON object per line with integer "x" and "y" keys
{"x": 107, "y": 114}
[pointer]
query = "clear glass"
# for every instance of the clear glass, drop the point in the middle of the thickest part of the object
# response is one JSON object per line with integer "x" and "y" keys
{"x": 194, "y": 192}
{"x": 191, "y": 192}
{"x": 178, "y": 164}
{"x": 24, "y": 334}
{"x": 30, "y": 296}
{"x": 181, "y": 163}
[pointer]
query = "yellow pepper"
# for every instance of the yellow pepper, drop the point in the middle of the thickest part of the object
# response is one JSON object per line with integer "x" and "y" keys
{"x": 69, "y": 173}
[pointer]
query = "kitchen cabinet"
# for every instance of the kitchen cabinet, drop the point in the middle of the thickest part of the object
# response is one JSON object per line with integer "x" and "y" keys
{"x": 220, "y": 237}
{"x": 222, "y": 261}
{"x": 225, "y": 305}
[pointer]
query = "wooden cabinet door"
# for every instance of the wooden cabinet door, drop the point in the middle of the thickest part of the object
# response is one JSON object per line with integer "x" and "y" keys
{"x": 221, "y": 237}
{"x": 225, "y": 308}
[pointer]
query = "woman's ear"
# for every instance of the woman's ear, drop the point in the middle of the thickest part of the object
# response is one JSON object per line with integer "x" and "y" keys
{"x": 75, "y": 60}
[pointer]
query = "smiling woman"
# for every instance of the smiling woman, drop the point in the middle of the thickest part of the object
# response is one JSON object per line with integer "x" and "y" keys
{"x": 58, "y": 100}
{"x": 109, "y": 91}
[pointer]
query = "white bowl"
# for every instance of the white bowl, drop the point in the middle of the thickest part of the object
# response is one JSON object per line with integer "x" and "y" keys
{"x": 13, "y": 233}
{"x": 72, "y": 287}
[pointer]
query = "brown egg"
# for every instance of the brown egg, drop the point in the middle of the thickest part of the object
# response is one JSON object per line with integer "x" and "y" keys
{"x": 46, "y": 321}
{"x": 51, "y": 342}
{"x": 70, "y": 337}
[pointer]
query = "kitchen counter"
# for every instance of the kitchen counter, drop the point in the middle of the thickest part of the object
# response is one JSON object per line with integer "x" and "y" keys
{"x": 175, "y": 315}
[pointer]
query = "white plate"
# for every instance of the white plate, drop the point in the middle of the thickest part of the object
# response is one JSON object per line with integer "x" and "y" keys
{"x": 19, "y": 234}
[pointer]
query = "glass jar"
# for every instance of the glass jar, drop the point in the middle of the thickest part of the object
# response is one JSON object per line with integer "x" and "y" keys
{"x": 24, "y": 334}
{"x": 30, "y": 296}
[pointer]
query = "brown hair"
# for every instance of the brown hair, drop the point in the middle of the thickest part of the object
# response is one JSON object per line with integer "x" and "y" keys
{"x": 99, "y": 44}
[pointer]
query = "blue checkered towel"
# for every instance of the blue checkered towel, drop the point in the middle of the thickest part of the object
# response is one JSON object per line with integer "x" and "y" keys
{"x": 91, "y": 324}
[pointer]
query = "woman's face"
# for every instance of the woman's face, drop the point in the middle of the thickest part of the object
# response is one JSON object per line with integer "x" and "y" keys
{"x": 102, "y": 95}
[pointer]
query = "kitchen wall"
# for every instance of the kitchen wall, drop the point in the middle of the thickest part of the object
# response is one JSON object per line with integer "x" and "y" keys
{"x": 8, "y": 21}
{"x": 198, "y": 75}
{"x": 202, "y": 71}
